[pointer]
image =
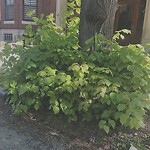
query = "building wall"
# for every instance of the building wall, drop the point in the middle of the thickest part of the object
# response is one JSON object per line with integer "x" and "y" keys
{"x": 17, "y": 26}
{"x": 16, "y": 33}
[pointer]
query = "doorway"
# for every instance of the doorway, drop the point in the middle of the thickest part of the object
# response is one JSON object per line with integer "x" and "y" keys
{"x": 130, "y": 15}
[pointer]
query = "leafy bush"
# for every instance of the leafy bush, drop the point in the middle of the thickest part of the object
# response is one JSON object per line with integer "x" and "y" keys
{"x": 110, "y": 84}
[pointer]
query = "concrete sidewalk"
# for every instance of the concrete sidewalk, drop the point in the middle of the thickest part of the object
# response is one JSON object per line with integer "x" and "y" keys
{"x": 10, "y": 139}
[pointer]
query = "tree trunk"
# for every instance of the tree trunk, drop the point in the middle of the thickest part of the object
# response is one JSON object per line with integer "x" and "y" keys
{"x": 107, "y": 28}
{"x": 95, "y": 13}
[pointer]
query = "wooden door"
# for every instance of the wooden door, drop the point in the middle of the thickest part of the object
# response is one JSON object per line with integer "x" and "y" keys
{"x": 129, "y": 16}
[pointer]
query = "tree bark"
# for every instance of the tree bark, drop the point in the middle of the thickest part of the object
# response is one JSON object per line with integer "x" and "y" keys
{"x": 97, "y": 16}
{"x": 93, "y": 14}
{"x": 107, "y": 28}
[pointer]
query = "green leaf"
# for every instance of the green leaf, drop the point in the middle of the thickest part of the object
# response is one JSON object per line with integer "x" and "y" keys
{"x": 56, "y": 109}
{"x": 48, "y": 80}
{"x": 126, "y": 31}
{"x": 81, "y": 81}
{"x": 13, "y": 84}
{"x": 130, "y": 58}
{"x": 138, "y": 115}
{"x": 24, "y": 108}
{"x": 63, "y": 78}
{"x": 22, "y": 89}
{"x": 106, "y": 129}
{"x": 113, "y": 97}
{"x": 50, "y": 93}
{"x": 30, "y": 101}
{"x": 122, "y": 37}
{"x": 31, "y": 64}
{"x": 37, "y": 106}
{"x": 124, "y": 118}
{"x": 107, "y": 82}
{"x": 121, "y": 107}
{"x": 50, "y": 17}
{"x": 50, "y": 71}
{"x": 102, "y": 123}
{"x": 30, "y": 75}
{"x": 30, "y": 13}
{"x": 106, "y": 114}
{"x": 133, "y": 123}
{"x": 112, "y": 123}
{"x": 74, "y": 67}
{"x": 91, "y": 65}
{"x": 75, "y": 47}
{"x": 78, "y": 2}
{"x": 35, "y": 19}
{"x": 89, "y": 41}
{"x": 46, "y": 88}
{"x": 141, "y": 124}
{"x": 85, "y": 68}
{"x": 69, "y": 89}
{"x": 68, "y": 78}
{"x": 42, "y": 73}
{"x": 34, "y": 88}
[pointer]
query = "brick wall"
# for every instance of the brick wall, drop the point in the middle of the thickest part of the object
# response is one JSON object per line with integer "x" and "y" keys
{"x": 16, "y": 27}
{"x": 44, "y": 6}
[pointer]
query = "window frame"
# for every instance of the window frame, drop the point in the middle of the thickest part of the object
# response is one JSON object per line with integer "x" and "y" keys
{"x": 36, "y": 9}
{"x": 8, "y": 37}
{"x": 7, "y": 6}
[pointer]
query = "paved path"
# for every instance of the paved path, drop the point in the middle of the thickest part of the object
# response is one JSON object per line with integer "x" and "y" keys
{"x": 11, "y": 139}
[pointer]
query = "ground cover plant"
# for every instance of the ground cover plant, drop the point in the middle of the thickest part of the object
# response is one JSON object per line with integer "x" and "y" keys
{"x": 109, "y": 84}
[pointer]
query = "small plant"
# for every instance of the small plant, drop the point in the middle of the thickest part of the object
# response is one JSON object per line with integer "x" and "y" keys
{"x": 110, "y": 84}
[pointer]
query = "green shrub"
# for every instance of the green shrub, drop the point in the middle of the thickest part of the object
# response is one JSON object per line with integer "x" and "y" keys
{"x": 110, "y": 84}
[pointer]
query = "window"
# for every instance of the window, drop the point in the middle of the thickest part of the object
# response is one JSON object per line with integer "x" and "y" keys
{"x": 9, "y": 10}
{"x": 8, "y": 37}
{"x": 29, "y": 5}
